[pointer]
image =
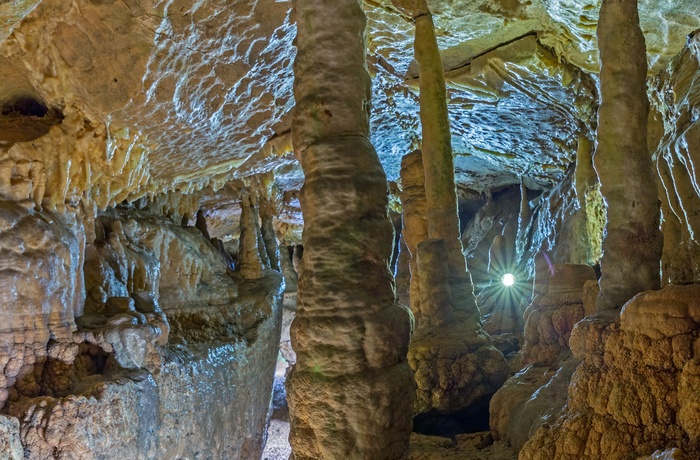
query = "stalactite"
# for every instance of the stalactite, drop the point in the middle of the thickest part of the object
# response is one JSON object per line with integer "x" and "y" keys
{"x": 440, "y": 191}
{"x": 632, "y": 245}
{"x": 525, "y": 214}
{"x": 350, "y": 392}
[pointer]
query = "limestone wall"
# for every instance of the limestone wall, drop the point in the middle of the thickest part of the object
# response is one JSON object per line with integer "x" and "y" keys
{"x": 675, "y": 132}
{"x": 140, "y": 343}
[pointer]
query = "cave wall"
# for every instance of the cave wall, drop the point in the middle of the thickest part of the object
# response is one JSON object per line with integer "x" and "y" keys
{"x": 675, "y": 134}
{"x": 127, "y": 335}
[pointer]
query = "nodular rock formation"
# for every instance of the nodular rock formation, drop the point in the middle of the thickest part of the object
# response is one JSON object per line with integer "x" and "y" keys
{"x": 179, "y": 179}
{"x": 351, "y": 390}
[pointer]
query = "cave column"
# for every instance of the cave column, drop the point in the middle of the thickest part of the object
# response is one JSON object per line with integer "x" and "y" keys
{"x": 250, "y": 265}
{"x": 415, "y": 226}
{"x": 350, "y": 392}
{"x": 269, "y": 236}
{"x": 632, "y": 245}
{"x": 448, "y": 328}
{"x": 440, "y": 190}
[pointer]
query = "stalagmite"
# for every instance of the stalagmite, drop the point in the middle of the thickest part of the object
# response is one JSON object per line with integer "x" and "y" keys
{"x": 441, "y": 196}
{"x": 262, "y": 246}
{"x": 249, "y": 263}
{"x": 632, "y": 245}
{"x": 433, "y": 276}
{"x": 350, "y": 392}
{"x": 403, "y": 273}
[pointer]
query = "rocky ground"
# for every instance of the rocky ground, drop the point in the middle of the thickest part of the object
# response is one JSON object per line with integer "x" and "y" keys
{"x": 474, "y": 446}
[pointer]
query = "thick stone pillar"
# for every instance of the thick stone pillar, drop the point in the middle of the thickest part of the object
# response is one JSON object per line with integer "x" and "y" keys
{"x": 632, "y": 245}
{"x": 440, "y": 191}
{"x": 433, "y": 276}
{"x": 350, "y": 392}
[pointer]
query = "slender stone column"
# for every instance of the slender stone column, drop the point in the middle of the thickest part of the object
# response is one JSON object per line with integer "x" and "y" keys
{"x": 448, "y": 329}
{"x": 269, "y": 235}
{"x": 632, "y": 245}
{"x": 415, "y": 226}
{"x": 351, "y": 391}
{"x": 250, "y": 264}
{"x": 440, "y": 191}
{"x": 403, "y": 273}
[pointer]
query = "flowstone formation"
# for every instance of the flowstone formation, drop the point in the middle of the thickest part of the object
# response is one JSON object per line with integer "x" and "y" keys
{"x": 536, "y": 395}
{"x": 635, "y": 391}
{"x": 674, "y": 98}
{"x": 350, "y": 392}
{"x": 137, "y": 341}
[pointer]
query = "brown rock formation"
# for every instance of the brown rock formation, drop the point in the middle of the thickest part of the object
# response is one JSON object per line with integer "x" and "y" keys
{"x": 632, "y": 245}
{"x": 350, "y": 392}
{"x": 91, "y": 378}
{"x": 250, "y": 262}
{"x": 630, "y": 395}
{"x": 553, "y": 313}
{"x": 452, "y": 357}
{"x": 675, "y": 98}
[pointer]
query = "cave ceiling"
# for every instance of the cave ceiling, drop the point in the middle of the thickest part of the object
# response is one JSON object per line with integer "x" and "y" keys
{"x": 188, "y": 94}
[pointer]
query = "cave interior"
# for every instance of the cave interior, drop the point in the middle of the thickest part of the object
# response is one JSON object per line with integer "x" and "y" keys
{"x": 349, "y": 229}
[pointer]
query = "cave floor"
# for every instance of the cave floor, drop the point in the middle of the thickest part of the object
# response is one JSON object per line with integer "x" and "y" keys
{"x": 473, "y": 446}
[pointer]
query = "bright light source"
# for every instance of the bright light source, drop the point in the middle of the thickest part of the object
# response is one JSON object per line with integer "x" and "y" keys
{"x": 508, "y": 279}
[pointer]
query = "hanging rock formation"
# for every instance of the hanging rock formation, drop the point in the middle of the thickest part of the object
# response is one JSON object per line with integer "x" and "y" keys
{"x": 351, "y": 391}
